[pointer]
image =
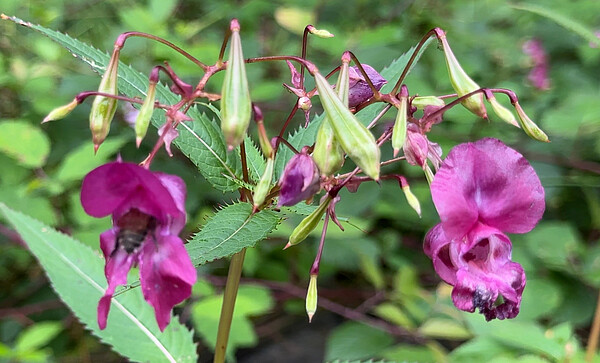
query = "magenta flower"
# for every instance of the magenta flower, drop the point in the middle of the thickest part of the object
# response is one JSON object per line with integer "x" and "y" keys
{"x": 299, "y": 181}
{"x": 359, "y": 90}
{"x": 148, "y": 212}
{"x": 482, "y": 191}
{"x": 538, "y": 76}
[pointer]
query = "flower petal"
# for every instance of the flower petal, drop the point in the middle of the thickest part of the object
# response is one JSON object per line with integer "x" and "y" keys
{"x": 116, "y": 269}
{"x": 437, "y": 247}
{"x": 167, "y": 276}
{"x": 489, "y": 182}
{"x": 116, "y": 187}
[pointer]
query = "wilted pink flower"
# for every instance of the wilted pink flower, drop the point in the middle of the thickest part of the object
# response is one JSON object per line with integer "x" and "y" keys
{"x": 299, "y": 181}
{"x": 538, "y": 76}
{"x": 148, "y": 213}
{"x": 359, "y": 90}
{"x": 482, "y": 191}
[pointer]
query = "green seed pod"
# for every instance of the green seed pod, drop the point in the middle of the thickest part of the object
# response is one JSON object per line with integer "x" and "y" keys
{"x": 531, "y": 129}
{"x": 502, "y": 112}
{"x": 308, "y": 224}
{"x": 462, "y": 83}
{"x": 399, "y": 130}
{"x": 103, "y": 108}
{"x": 311, "y": 297}
{"x": 412, "y": 199}
{"x": 420, "y": 102}
{"x": 264, "y": 184}
{"x": 61, "y": 112}
{"x": 356, "y": 140}
{"x": 236, "y": 106}
{"x": 142, "y": 121}
{"x": 328, "y": 154}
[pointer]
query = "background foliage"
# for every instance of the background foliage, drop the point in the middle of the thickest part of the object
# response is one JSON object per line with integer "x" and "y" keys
{"x": 380, "y": 297}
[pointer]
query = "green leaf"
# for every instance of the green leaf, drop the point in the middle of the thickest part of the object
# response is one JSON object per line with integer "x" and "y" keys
{"x": 255, "y": 159}
{"x": 229, "y": 231}
{"x": 441, "y": 328}
{"x": 201, "y": 141}
{"x": 38, "y": 335}
{"x": 555, "y": 243}
{"x": 353, "y": 340}
{"x": 562, "y": 20}
{"x": 77, "y": 276}
{"x": 306, "y": 136}
{"x": 540, "y": 298}
{"x": 24, "y": 142}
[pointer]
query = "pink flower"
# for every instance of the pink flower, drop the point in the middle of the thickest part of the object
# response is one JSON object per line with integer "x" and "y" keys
{"x": 482, "y": 191}
{"x": 359, "y": 90}
{"x": 300, "y": 180}
{"x": 148, "y": 212}
{"x": 538, "y": 76}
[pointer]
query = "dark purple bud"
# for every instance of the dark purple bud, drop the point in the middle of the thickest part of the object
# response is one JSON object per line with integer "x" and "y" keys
{"x": 300, "y": 180}
{"x": 359, "y": 88}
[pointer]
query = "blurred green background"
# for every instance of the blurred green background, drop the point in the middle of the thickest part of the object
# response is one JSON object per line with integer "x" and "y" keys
{"x": 383, "y": 299}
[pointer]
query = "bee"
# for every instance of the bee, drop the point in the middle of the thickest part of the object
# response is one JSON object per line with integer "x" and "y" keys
{"x": 134, "y": 227}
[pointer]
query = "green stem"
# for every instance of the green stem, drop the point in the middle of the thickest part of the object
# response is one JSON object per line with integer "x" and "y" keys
{"x": 231, "y": 289}
{"x": 594, "y": 334}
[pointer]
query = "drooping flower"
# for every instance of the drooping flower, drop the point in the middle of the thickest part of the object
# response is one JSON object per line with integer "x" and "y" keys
{"x": 538, "y": 76}
{"x": 148, "y": 213}
{"x": 482, "y": 191}
{"x": 299, "y": 181}
{"x": 359, "y": 90}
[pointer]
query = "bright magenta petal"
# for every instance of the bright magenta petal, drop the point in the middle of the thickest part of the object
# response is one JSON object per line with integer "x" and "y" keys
{"x": 167, "y": 276}
{"x": 116, "y": 269}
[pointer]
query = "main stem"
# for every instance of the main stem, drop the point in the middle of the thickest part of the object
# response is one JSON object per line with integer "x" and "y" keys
{"x": 229, "y": 297}
{"x": 594, "y": 334}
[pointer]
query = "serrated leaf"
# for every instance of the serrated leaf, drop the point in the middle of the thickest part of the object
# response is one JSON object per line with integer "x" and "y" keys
{"x": 77, "y": 276}
{"x": 201, "y": 141}
{"x": 306, "y": 136}
{"x": 24, "y": 142}
{"x": 229, "y": 231}
{"x": 254, "y": 157}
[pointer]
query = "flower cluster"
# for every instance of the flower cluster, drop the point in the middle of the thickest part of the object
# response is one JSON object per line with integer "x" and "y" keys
{"x": 148, "y": 212}
{"x": 482, "y": 191}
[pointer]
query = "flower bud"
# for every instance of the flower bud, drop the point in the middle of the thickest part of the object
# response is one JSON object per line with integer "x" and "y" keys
{"x": 304, "y": 103}
{"x": 236, "y": 106}
{"x": 321, "y": 33}
{"x": 311, "y": 297}
{"x": 531, "y": 129}
{"x": 410, "y": 197}
{"x": 142, "y": 121}
{"x": 359, "y": 88}
{"x": 420, "y": 102}
{"x": 399, "y": 130}
{"x": 299, "y": 181}
{"x": 416, "y": 147}
{"x": 103, "y": 108}
{"x": 328, "y": 154}
{"x": 502, "y": 112}
{"x": 264, "y": 184}
{"x": 61, "y": 112}
{"x": 356, "y": 140}
{"x": 461, "y": 82}
{"x": 308, "y": 224}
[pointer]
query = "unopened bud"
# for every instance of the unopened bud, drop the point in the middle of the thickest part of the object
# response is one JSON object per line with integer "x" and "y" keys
{"x": 299, "y": 181}
{"x": 103, "y": 108}
{"x": 308, "y": 224}
{"x": 236, "y": 106}
{"x": 304, "y": 103}
{"x": 420, "y": 102}
{"x": 142, "y": 121}
{"x": 531, "y": 129}
{"x": 61, "y": 112}
{"x": 502, "y": 112}
{"x": 416, "y": 146}
{"x": 264, "y": 184}
{"x": 461, "y": 82}
{"x": 311, "y": 297}
{"x": 410, "y": 197}
{"x": 321, "y": 33}
{"x": 356, "y": 140}
{"x": 399, "y": 130}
